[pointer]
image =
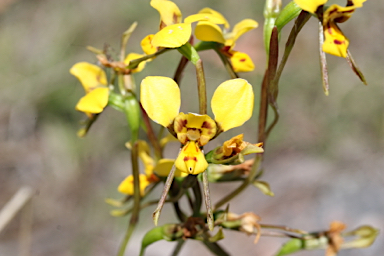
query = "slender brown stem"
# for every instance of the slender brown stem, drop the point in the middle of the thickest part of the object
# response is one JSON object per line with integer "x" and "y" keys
{"x": 263, "y": 111}
{"x": 196, "y": 205}
{"x": 227, "y": 64}
{"x": 180, "y": 69}
{"x": 167, "y": 185}
{"x": 355, "y": 68}
{"x": 208, "y": 203}
{"x": 272, "y": 87}
{"x": 323, "y": 60}
{"x": 151, "y": 134}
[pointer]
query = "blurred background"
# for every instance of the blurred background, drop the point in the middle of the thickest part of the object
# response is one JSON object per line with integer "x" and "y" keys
{"x": 324, "y": 160}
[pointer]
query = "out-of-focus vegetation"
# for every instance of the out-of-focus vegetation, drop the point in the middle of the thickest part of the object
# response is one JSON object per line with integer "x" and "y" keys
{"x": 330, "y": 149}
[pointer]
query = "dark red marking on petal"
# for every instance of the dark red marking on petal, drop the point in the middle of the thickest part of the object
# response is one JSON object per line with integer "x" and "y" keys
{"x": 242, "y": 60}
{"x": 187, "y": 158}
{"x": 338, "y": 42}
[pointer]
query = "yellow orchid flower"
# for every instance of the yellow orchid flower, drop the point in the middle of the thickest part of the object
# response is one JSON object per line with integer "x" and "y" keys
{"x": 233, "y": 151}
{"x": 172, "y": 32}
{"x": 232, "y": 105}
{"x": 152, "y": 170}
{"x": 169, "y": 12}
{"x": 208, "y": 29}
{"x": 236, "y": 144}
{"x": 336, "y": 43}
{"x": 94, "y": 81}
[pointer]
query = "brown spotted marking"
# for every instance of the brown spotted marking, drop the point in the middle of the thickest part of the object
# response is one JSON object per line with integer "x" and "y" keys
{"x": 181, "y": 123}
{"x": 206, "y": 125}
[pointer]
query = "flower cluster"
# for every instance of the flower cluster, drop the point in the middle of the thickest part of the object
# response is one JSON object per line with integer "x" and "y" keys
{"x": 232, "y": 105}
{"x": 111, "y": 82}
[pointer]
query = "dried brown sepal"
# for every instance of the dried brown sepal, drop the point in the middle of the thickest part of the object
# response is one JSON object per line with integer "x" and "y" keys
{"x": 355, "y": 68}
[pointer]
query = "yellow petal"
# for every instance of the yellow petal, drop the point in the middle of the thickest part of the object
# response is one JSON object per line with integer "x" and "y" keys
{"x": 357, "y": 3}
{"x": 134, "y": 56}
{"x": 126, "y": 186}
{"x": 205, "y": 17}
{"x": 160, "y": 97}
{"x": 217, "y": 14}
{"x": 209, "y": 32}
{"x": 310, "y": 5}
{"x": 90, "y": 76}
{"x": 164, "y": 166}
{"x": 232, "y": 103}
{"x": 239, "y": 29}
{"x": 241, "y": 62}
{"x": 335, "y": 42}
{"x": 169, "y": 12}
{"x": 191, "y": 160}
{"x": 146, "y": 45}
{"x": 173, "y": 36}
{"x": 94, "y": 102}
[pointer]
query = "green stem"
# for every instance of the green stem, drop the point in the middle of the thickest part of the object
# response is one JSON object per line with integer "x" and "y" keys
{"x": 134, "y": 63}
{"x": 299, "y": 23}
{"x": 201, "y": 87}
{"x": 271, "y": 12}
{"x": 136, "y": 197}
